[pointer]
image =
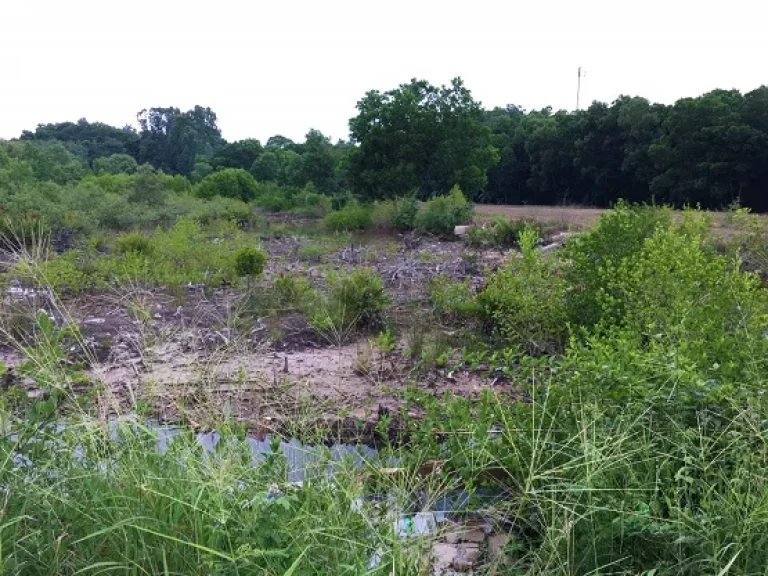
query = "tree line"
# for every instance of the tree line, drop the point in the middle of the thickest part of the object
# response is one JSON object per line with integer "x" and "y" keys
{"x": 422, "y": 139}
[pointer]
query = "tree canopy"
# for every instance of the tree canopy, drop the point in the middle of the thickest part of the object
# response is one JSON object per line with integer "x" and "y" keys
{"x": 420, "y": 137}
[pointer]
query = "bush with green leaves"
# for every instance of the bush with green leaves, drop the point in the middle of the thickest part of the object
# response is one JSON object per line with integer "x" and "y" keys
{"x": 173, "y": 258}
{"x": 135, "y": 242}
{"x": 310, "y": 204}
{"x": 230, "y": 183}
{"x": 350, "y": 300}
{"x": 208, "y": 211}
{"x": 398, "y": 214}
{"x": 291, "y": 292}
{"x": 452, "y": 299}
{"x": 523, "y": 304}
{"x": 249, "y": 262}
{"x": 353, "y": 216}
{"x": 501, "y": 233}
{"x": 595, "y": 254}
{"x": 441, "y": 214}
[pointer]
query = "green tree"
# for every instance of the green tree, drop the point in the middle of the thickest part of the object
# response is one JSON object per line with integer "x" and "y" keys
{"x": 284, "y": 167}
{"x": 50, "y": 160}
{"x": 148, "y": 187}
{"x": 91, "y": 140}
{"x": 172, "y": 140}
{"x": 318, "y": 162}
{"x": 419, "y": 136}
{"x": 240, "y": 154}
{"x": 115, "y": 164}
{"x": 707, "y": 153}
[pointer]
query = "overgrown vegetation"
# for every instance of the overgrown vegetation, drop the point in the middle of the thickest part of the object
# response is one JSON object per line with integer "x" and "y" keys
{"x": 622, "y": 430}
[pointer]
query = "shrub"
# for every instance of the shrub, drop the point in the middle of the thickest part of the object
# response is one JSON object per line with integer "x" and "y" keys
{"x": 441, "y": 214}
{"x": 230, "y": 183}
{"x": 523, "y": 303}
{"x": 249, "y": 261}
{"x": 312, "y": 252}
{"x": 274, "y": 199}
{"x": 594, "y": 255}
{"x": 352, "y": 300}
{"x": 134, "y": 242}
{"x": 311, "y": 204}
{"x": 353, "y": 216}
{"x": 452, "y": 299}
{"x": 217, "y": 208}
{"x": 291, "y": 291}
{"x": 173, "y": 258}
{"x": 398, "y": 214}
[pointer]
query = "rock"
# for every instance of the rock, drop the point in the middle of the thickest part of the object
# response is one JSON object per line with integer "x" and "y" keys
{"x": 443, "y": 556}
{"x": 467, "y": 556}
{"x": 496, "y": 544}
{"x": 461, "y": 230}
{"x": 476, "y": 536}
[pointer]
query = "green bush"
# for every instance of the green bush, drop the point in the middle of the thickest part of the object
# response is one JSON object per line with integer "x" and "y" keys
{"x": 594, "y": 255}
{"x": 441, "y": 214}
{"x": 311, "y": 204}
{"x": 249, "y": 261}
{"x": 353, "y": 216}
{"x": 291, "y": 292}
{"x": 451, "y": 299}
{"x": 501, "y": 233}
{"x": 312, "y": 252}
{"x": 134, "y": 242}
{"x": 230, "y": 183}
{"x": 273, "y": 198}
{"x": 351, "y": 300}
{"x": 398, "y": 214}
{"x": 208, "y": 211}
{"x": 186, "y": 253}
{"x": 523, "y": 304}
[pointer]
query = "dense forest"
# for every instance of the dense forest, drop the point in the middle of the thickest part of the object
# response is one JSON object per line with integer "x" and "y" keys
{"x": 421, "y": 139}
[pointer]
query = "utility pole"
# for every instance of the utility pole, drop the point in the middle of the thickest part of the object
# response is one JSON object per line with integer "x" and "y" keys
{"x": 578, "y": 89}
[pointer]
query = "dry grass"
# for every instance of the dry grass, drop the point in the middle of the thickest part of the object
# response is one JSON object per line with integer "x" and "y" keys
{"x": 568, "y": 217}
{"x": 576, "y": 218}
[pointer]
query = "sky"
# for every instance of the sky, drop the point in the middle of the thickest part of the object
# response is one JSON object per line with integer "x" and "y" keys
{"x": 285, "y": 66}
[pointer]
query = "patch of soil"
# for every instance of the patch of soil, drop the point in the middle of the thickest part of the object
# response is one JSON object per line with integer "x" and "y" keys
{"x": 195, "y": 355}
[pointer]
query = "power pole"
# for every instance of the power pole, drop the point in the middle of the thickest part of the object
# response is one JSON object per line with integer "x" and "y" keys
{"x": 578, "y": 89}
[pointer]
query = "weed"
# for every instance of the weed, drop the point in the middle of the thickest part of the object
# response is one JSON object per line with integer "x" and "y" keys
{"x": 353, "y": 216}
{"x": 313, "y": 252}
{"x": 135, "y": 242}
{"x": 451, "y": 299}
{"x": 352, "y": 300}
{"x": 441, "y": 214}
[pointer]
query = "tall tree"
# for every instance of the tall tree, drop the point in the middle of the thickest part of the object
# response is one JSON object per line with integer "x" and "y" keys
{"x": 241, "y": 154}
{"x": 172, "y": 140}
{"x": 419, "y": 136}
{"x": 91, "y": 140}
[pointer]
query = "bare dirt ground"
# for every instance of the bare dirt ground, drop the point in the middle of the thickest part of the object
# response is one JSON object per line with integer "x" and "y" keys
{"x": 194, "y": 357}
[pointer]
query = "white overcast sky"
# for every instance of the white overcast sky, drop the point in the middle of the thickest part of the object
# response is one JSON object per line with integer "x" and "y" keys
{"x": 287, "y": 66}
